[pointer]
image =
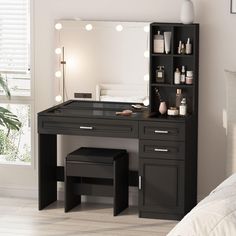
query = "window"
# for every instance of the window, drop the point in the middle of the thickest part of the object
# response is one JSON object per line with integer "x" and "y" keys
{"x": 15, "y": 147}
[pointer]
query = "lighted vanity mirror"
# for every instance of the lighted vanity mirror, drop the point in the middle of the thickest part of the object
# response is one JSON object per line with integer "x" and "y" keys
{"x": 110, "y": 60}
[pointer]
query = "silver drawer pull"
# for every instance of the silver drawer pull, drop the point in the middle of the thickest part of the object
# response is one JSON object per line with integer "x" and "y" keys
{"x": 161, "y": 131}
{"x": 140, "y": 182}
{"x": 161, "y": 150}
{"x": 86, "y": 127}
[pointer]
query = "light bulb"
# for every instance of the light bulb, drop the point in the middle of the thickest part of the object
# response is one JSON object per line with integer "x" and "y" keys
{"x": 58, "y": 98}
{"x": 146, "y": 77}
{"x": 88, "y": 27}
{"x": 146, "y": 54}
{"x": 58, "y": 74}
{"x": 146, "y": 28}
{"x": 58, "y": 51}
{"x": 58, "y": 26}
{"x": 119, "y": 28}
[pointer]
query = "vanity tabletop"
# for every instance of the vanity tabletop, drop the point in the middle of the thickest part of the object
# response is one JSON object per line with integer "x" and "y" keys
{"x": 99, "y": 109}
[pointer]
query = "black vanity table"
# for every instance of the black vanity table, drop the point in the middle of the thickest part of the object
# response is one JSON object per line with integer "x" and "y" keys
{"x": 167, "y": 154}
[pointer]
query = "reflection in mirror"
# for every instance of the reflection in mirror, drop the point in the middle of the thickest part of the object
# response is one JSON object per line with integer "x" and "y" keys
{"x": 109, "y": 60}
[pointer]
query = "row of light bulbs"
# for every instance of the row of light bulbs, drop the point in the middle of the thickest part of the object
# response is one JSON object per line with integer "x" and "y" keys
{"x": 89, "y": 27}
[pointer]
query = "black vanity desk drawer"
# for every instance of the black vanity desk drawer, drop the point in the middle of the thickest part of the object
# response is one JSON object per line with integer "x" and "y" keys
{"x": 162, "y": 149}
{"x": 88, "y": 127}
{"x": 162, "y": 131}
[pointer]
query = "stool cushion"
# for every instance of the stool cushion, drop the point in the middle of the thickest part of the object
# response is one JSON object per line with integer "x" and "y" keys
{"x": 96, "y": 155}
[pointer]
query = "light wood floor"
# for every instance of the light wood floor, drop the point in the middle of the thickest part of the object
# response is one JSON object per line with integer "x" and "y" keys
{"x": 20, "y": 217}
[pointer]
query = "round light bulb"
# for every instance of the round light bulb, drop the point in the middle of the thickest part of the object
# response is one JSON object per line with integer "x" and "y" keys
{"x": 58, "y": 98}
{"x": 58, "y": 74}
{"x": 146, "y": 77}
{"x": 146, "y": 54}
{"x": 88, "y": 27}
{"x": 146, "y": 28}
{"x": 58, "y": 26}
{"x": 119, "y": 28}
{"x": 58, "y": 51}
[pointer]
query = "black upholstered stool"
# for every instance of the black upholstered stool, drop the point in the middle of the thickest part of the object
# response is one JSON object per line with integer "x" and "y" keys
{"x": 97, "y": 171}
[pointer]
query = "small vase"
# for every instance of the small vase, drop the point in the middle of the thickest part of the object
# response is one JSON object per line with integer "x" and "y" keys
{"x": 187, "y": 12}
{"x": 162, "y": 108}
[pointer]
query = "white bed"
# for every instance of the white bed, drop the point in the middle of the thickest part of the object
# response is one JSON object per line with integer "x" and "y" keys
{"x": 216, "y": 214}
{"x": 213, "y": 216}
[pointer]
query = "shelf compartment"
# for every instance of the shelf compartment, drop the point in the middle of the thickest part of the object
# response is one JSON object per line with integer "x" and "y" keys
{"x": 167, "y": 62}
{"x": 182, "y": 33}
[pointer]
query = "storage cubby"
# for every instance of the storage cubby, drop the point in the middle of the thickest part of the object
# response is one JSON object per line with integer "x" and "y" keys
{"x": 165, "y": 61}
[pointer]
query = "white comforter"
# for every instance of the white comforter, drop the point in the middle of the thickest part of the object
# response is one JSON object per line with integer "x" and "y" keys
{"x": 213, "y": 216}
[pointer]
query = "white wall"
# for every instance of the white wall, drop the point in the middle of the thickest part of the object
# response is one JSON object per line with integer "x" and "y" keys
{"x": 217, "y": 51}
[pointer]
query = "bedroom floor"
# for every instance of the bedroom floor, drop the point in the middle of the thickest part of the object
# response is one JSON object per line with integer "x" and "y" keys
{"x": 20, "y": 217}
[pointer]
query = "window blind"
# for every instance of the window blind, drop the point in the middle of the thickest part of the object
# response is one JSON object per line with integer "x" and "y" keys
{"x": 14, "y": 36}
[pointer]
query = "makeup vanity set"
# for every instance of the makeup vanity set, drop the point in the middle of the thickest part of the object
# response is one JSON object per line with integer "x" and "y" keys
{"x": 167, "y": 157}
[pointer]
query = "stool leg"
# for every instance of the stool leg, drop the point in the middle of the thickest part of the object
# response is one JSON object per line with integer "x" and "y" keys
{"x": 121, "y": 185}
{"x": 71, "y": 199}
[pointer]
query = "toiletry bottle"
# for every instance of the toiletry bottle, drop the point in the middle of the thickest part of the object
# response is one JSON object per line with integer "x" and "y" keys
{"x": 158, "y": 43}
{"x": 188, "y": 47}
{"x": 160, "y": 74}
{"x": 182, "y": 49}
{"x": 179, "y": 47}
{"x": 182, "y": 77}
{"x": 177, "y": 76}
{"x": 179, "y": 97}
{"x": 189, "y": 77}
{"x": 183, "y": 108}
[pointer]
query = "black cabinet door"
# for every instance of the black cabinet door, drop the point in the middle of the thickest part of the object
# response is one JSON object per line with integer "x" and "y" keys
{"x": 161, "y": 187}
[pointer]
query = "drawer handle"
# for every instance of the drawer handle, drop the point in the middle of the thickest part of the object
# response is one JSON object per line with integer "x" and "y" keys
{"x": 161, "y": 150}
{"x": 140, "y": 182}
{"x": 161, "y": 131}
{"x": 86, "y": 127}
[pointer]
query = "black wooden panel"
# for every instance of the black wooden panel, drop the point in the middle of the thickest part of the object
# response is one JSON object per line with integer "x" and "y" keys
{"x": 84, "y": 169}
{"x": 88, "y": 127}
{"x": 162, "y": 186}
{"x": 162, "y": 149}
{"x": 133, "y": 177}
{"x": 93, "y": 190}
{"x": 47, "y": 164}
{"x": 162, "y": 130}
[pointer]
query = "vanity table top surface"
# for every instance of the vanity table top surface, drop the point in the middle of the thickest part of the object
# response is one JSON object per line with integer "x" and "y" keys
{"x": 98, "y": 109}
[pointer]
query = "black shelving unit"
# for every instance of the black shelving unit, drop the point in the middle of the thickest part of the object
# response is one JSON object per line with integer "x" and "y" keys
{"x": 171, "y": 61}
{"x": 168, "y": 146}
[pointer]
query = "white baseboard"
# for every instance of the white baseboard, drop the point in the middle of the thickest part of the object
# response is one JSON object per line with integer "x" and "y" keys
{"x": 20, "y": 192}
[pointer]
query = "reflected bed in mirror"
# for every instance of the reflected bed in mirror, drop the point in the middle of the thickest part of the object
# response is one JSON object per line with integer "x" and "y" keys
{"x": 110, "y": 60}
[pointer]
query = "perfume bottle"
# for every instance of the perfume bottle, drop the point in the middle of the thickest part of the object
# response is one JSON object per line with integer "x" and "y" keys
{"x": 160, "y": 74}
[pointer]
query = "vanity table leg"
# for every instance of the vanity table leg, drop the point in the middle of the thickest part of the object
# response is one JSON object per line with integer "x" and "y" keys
{"x": 47, "y": 170}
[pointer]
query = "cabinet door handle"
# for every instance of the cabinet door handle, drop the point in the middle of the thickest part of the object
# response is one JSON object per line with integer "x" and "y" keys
{"x": 86, "y": 127}
{"x": 140, "y": 182}
{"x": 161, "y": 131}
{"x": 161, "y": 150}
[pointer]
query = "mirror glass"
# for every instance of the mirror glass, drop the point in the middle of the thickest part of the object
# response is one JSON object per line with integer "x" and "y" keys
{"x": 110, "y": 60}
